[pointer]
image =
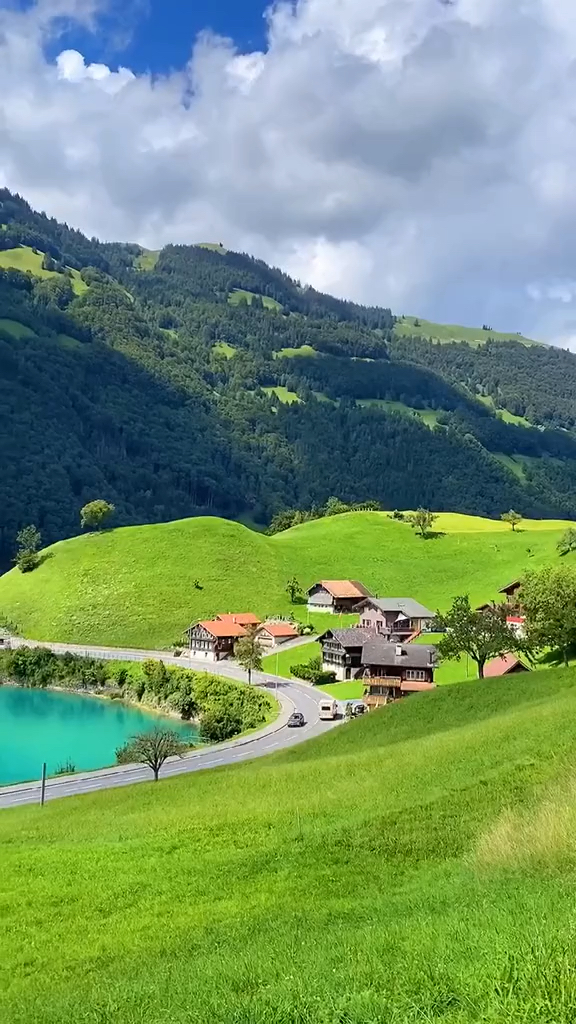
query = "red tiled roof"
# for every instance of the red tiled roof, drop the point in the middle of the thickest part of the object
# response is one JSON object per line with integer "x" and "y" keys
{"x": 519, "y": 619}
{"x": 223, "y": 629}
{"x": 345, "y": 588}
{"x": 280, "y": 629}
{"x": 242, "y": 619}
{"x": 501, "y": 666}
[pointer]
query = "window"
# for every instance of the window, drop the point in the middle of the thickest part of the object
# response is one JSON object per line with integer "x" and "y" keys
{"x": 416, "y": 674}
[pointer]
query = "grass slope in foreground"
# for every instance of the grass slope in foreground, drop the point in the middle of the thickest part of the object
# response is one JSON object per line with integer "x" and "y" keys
{"x": 134, "y": 586}
{"x": 317, "y": 886}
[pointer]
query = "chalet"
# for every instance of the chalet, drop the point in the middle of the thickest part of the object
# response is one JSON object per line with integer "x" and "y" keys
{"x": 336, "y": 596}
{"x": 392, "y": 671}
{"x": 512, "y": 591}
{"x": 241, "y": 619}
{"x": 214, "y": 639}
{"x": 342, "y": 651}
{"x": 400, "y": 617}
{"x": 273, "y": 634}
{"x": 508, "y": 665}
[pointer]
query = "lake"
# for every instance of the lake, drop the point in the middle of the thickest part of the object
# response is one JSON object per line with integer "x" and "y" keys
{"x": 44, "y": 725}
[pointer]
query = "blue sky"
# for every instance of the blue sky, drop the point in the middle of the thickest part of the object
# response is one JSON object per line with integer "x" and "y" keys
{"x": 157, "y": 35}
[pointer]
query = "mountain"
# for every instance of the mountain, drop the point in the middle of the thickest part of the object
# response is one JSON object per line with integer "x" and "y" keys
{"x": 198, "y": 381}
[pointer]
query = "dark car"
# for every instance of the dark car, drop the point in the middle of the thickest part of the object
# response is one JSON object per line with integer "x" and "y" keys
{"x": 359, "y": 709}
{"x": 296, "y": 720}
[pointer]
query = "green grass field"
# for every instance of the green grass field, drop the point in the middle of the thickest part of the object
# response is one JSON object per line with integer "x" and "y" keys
{"x": 475, "y": 336}
{"x": 428, "y": 416}
{"x": 212, "y": 246}
{"x": 16, "y": 329}
{"x": 293, "y": 353}
{"x": 283, "y": 395}
{"x": 135, "y": 585}
{"x": 148, "y": 259}
{"x": 415, "y": 866}
{"x": 238, "y": 294}
{"x": 222, "y": 348}
{"x": 25, "y": 259}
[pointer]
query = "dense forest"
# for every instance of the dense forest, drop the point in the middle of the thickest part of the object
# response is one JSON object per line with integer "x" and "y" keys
{"x": 199, "y": 381}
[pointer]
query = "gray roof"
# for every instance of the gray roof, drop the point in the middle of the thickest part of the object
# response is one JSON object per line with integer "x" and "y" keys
{"x": 377, "y": 651}
{"x": 355, "y": 636}
{"x": 404, "y": 605}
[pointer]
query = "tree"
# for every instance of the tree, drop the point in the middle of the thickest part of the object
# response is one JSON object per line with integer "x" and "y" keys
{"x": 513, "y": 518}
{"x": 480, "y": 634}
{"x": 422, "y": 520}
{"x": 28, "y": 540}
{"x": 152, "y": 749}
{"x": 548, "y": 598}
{"x": 567, "y": 542}
{"x": 249, "y": 651}
{"x": 219, "y": 724}
{"x": 95, "y": 514}
{"x": 293, "y": 589}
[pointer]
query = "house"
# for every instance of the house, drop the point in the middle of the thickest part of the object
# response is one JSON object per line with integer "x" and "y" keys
{"x": 508, "y": 665}
{"x": 342, "y": 651}
{"x": 272, "y": 634}
{"x": 360, "y": 653}
{"x": 336, "y": 596}
{"x": 511, "y": 591}
{"x": 241, "y": 619}
{"x": 214, "y": 639}
{"x": 401, "y": 617}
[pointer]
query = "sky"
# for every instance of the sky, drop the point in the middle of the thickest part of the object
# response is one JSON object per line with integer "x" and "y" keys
{"x": 418, "y": 154}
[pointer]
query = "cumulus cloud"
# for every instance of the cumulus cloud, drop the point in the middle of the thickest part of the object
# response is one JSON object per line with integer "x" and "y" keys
{"x": 413, "y": 153}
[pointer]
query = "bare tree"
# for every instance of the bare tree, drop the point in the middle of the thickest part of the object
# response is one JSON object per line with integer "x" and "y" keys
{"x": 152, "y": 749}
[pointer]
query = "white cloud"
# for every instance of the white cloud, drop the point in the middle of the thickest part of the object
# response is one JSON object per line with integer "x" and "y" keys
{"x": 404, "y": 152}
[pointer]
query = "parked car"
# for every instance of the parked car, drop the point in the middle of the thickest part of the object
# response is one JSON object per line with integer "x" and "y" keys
{"x": 296, "y": 720}
{"x": 359, "y": 709}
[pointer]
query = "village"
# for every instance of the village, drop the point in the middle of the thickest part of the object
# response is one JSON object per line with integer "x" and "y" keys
{"x": 385, "y": 650}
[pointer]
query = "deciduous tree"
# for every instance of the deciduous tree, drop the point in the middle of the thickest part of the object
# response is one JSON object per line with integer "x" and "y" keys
{"x": 153, "y": 749}
{"x": 249, "y": 651}
{"x": 293, "y": 589}
{"x": 422, "y": 520}
{"x": 548, "y": 598}
{"x": 28, "y": 540}
{"x": 512, "y": 518}
{"x": 481, "y": 635}
{"x": 95, "y": 514}
{"x": 567, "y": 542}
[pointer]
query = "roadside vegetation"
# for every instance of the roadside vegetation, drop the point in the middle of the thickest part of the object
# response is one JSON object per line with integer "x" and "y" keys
{"x": 322, "y": 884}
{"x": 222, "y": 707}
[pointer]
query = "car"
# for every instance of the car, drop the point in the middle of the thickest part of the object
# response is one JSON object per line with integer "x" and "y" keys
{"x": 296, "y": 720}
{"x": 359, "y": 709}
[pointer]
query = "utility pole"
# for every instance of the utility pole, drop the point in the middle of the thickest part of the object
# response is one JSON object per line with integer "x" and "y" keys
{"x": 43, "y": 785}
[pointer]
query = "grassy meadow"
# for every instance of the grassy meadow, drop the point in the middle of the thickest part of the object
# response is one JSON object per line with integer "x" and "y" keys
{"x": 321, "y": 885}
{"x": 134, "y": 586}
{"x": 25, "y": 259}
{"x": 475, "y": 336}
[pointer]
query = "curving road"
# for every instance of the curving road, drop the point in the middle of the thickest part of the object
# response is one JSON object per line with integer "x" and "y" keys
{"x": 291, "y": 695}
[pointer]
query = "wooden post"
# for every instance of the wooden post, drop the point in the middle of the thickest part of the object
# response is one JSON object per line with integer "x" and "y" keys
{"x": 43, "y": 785}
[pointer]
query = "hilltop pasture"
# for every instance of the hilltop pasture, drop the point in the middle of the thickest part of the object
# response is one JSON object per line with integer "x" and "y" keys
{"x": 135, "y": 586}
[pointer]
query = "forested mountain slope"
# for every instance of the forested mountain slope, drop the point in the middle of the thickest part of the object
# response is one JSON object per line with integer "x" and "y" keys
{"x": 162, "y": 383}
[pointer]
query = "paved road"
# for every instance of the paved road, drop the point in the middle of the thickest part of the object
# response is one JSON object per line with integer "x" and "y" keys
{"x": 292, "y": 696}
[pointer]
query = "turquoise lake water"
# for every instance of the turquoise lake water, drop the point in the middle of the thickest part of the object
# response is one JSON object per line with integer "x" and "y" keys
{"x": 41, "y": 725}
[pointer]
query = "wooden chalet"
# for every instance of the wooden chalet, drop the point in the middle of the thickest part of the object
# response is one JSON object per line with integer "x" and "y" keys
{"x": 214, "y": 639}
{"x": 388, "y": 669}
{"x": 273, "y": 634}
{"x": 336, "y": 596}
{"x": 400, "y": 617}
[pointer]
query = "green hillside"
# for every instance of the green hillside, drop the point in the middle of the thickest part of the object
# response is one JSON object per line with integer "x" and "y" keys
{"x": 412, "y": 326}
{"x": 24, "y": 258}
{"x": 135, "y": 585}
{"x": 416, "y": 866}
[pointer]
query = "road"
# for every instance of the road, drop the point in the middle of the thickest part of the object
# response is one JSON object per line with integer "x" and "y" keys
{"x": 291, "y": 695}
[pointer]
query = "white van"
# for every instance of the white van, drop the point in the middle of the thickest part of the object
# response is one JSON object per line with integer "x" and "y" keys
{"x": 328, "y": 710}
